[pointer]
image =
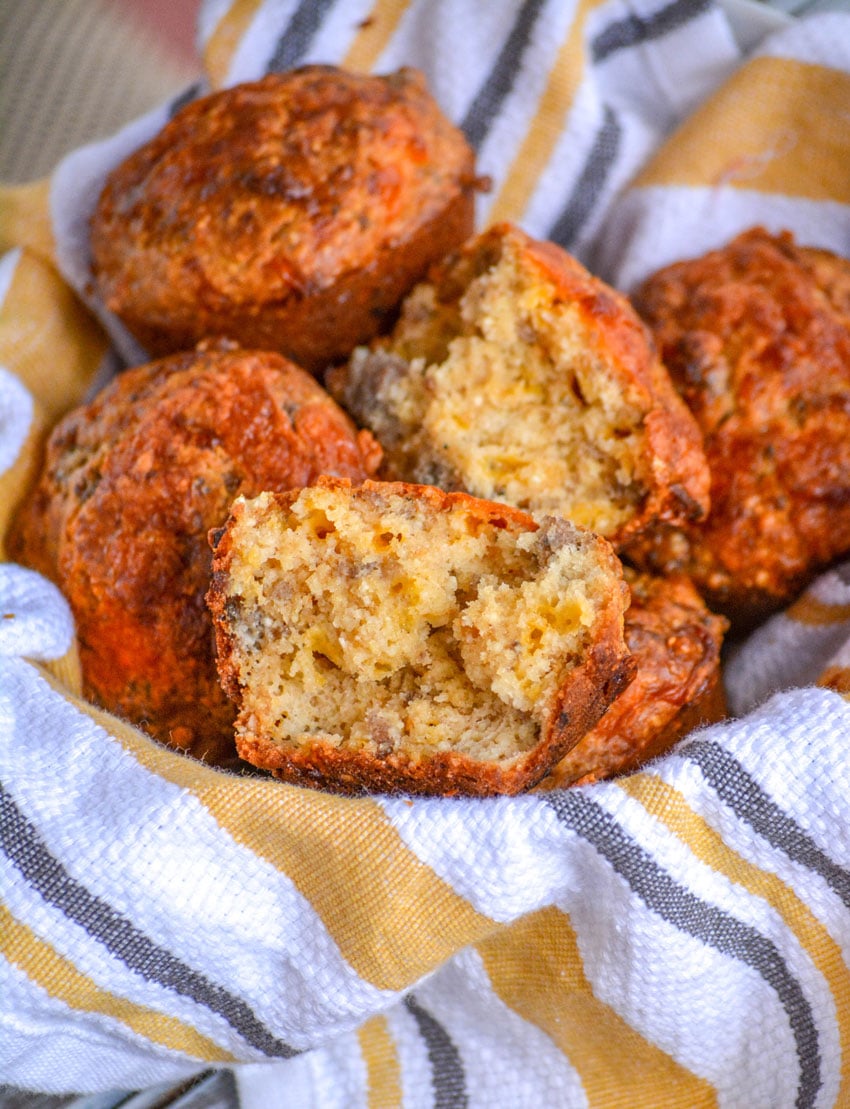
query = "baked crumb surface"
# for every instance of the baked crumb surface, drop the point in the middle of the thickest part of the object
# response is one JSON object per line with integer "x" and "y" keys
{"x": 383, "y": 622}
{"x": 132, "y": 482}
{"x": 501, "y": 380}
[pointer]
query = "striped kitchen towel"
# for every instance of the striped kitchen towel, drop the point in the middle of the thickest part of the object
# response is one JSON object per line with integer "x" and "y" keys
{"x": 679, "y": 937}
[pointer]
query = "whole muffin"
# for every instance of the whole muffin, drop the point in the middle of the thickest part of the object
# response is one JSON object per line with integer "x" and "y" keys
{"x": 517, "y": 376}
{"x": 677, "y": 686}
{"x": 757, "y": 339}
{"x": 291, "y": 213}
{"x": 390, "y": 637}
{"x": 131, "y": 485}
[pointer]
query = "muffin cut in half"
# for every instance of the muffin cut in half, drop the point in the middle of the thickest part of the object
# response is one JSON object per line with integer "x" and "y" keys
{"x": 517, "y": 376}
{"x": 390, "y": 637}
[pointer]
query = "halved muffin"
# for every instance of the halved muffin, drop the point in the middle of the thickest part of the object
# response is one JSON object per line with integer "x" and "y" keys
{"x": 517, "y": 376}
{"x": 133, "y": 481}
{"x": 394, "y": 637}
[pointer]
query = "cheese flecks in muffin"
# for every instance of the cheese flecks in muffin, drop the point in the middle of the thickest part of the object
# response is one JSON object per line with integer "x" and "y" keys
{"x": 391, "y": 636}
{"x": 515, "y": 375}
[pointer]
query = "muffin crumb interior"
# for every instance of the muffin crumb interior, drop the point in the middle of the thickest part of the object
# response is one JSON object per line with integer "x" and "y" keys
{"x": 371, "y": 622}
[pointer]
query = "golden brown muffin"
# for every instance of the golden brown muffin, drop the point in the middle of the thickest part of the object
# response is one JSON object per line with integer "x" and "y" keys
{"x": 676, "y": 643}
{"x": 133, "y": 482}
{"x": 292, "y": 213}
{"x": 515, "y": 375}
{"x": 394, "y": 637}
{"x": 757, "y": 338}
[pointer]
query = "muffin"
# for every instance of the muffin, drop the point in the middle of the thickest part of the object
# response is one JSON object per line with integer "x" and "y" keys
{"x": 516, "y": 376}
{"x": 131, "y": 485}
{"x": 291, "y": 213}
{"x": 389, "y": 636}
{"x": 756, "y": 336}
{"x": 675, "y": 641}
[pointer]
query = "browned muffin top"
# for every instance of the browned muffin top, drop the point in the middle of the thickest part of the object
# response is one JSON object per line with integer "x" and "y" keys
{"x": 132, "y": 484}
{"x": 756, "y": 337}
{"x": 257, "y": 198}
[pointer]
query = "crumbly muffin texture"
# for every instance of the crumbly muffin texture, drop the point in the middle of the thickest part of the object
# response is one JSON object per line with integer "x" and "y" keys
{"x": 515, "y": 375}
{"x": 392, "y": 636}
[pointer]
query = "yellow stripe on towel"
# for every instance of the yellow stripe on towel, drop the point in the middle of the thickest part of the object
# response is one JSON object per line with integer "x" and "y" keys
{"x": 66, "y": 670}
{"x": 836, "y": 678}
{"x": 565, "y": 76}
{"x": 616, "y": 1065}
{"x": 383, "y": 1071}
{"x": 224, "y": 40}
{"x": 403, "y": 922}
{"x": 373, "y": 35}
{"x": 54, "y": 346}
{"x": 668, "y": 806}
{"x": 21, "y": 475}
{"x": 816, "y": 613}
{"x": 25, "y": 218}
{"x": 48, "y": 339}
{"x": 776, "y": 126}
{"x": 58, "y": 977}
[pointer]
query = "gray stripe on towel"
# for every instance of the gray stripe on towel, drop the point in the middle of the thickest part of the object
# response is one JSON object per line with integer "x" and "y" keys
{"x": 751, "y": 804}
{"x": 705, "y": 922}
{"x": 27, "y": 851}
{"x": 588, "y": 187}
{"x": 635, "y": 29}
{"x": 447, "y": 1072}
{"x": 295, "y": 41}
{"x": 500, "y": 80}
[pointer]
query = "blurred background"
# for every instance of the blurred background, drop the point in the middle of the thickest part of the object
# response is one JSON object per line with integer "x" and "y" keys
{"x": 75, "y": 70}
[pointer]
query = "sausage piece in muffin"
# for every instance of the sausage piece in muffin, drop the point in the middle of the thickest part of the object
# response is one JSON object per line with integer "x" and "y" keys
{"x": 517, "y": 376}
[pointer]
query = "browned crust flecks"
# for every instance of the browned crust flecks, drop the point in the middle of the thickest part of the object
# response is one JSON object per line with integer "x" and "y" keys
{"x": 757, "y": 339}
{"x": 291, "y": 213}
{"x": 677, "y": 687}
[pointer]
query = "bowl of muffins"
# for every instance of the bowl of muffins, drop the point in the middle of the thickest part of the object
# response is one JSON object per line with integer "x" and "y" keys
{"x": 400, "y": 504}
